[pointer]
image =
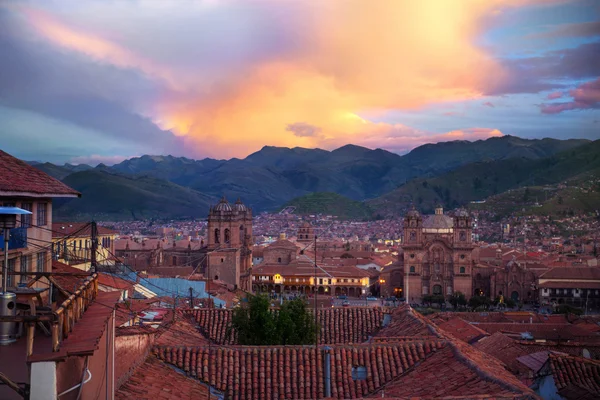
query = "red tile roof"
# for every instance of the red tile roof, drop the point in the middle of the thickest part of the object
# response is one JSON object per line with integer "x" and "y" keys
{"x": 546, "y": 331}
{"x": 114, "y": 281}
{"x": 181, "y": 332}
{"x": 282, "y": 372}
{"x": 575, "y": 374}
{"x": 78, "y": 229}
{"x": 463, "y": 330}
{"x": 591, "y": 273}
{"x": 296, "y": 372}
{"x": 154, "y": 380}
{"x": 19, "y": 178}
{"x": 406, "y": 322}
{"x": 66, "y": 283}
{"x": 509, "y": 350}
{"x": 444, "y": 374}
{"x": 338, "y": 325}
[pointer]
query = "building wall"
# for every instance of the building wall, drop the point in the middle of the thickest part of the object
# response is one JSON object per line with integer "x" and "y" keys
{"x": 279, "y": 255}
{"x": 39, "y": 239}
{"x": 130, "y": 352}
{"x": 69, "y": 372}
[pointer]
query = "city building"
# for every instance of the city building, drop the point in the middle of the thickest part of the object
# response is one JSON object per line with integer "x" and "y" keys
{"x": 229, "y": 247}
{"x": 26, "y": 187}
{"x": 576, "y": 286}
{"x": 72, "y": 244}
{"x": 436, "y": 255}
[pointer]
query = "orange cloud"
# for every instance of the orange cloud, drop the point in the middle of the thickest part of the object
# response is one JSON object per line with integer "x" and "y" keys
{"x": 357, "y": 55}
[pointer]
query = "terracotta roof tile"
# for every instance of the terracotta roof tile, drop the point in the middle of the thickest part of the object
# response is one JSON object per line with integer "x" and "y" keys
{"x": 575, "y": 373}
{"x": 338, "y": 325}
{"x": 406, "y": 322}
{"x": 463, "y": 330}
{"x": 18, "y": 177}
{"x": 154, "y": 380}
{"x": 592, "y": 273}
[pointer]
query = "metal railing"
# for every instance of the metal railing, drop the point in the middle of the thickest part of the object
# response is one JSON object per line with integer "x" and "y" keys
{"x": 63, "y": 319}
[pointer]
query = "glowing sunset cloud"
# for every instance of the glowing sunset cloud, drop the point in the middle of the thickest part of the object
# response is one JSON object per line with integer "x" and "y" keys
{"x": 229, "y": 77}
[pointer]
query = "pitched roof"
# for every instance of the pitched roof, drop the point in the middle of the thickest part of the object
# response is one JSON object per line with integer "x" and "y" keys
{"x": 337, "y": 325}
{"x": 547, "y": 331}
{"x": 155, "y": 380}
{"x": 463, "y": 330}
{"x": 78, "y": 229}
{"x": 591, "y": 273}
{"x": 405, "y": 322}
{"x": 575, "y": 374}
{"x": 295, "y": 372}
{"x": 17, "y": 178}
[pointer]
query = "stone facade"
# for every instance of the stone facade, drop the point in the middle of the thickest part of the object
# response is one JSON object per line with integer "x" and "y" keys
{"x": 437, "y": 256}
{"x": 229, "y": 256}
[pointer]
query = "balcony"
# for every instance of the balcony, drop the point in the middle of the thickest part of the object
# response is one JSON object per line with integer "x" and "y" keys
{"x": 17, "y": 240}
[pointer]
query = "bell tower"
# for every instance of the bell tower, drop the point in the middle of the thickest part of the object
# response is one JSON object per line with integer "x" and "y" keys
{"x": 229, "y": 249}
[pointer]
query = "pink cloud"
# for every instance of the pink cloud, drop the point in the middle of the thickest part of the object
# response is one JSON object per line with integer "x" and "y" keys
{"x": 555, "y": 95}
{"x": 586, "y": 96}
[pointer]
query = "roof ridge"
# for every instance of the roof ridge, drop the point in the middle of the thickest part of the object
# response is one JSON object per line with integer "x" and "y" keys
{"x": 458, "y": 349}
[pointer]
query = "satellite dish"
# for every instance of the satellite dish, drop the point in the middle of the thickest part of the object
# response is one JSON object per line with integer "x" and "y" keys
{"x": 586, "y": 354}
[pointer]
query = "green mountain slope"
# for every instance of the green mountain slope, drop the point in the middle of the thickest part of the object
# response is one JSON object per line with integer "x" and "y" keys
{"x": 329, "y": 203}
{"x": 477, "y": 181}
{"x": 112, "y": 196}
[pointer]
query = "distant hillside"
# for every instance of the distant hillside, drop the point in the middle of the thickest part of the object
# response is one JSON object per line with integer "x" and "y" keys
{"x": 329, "y": 203}
{"x": 477, "y": 181}
{"x": 273, "y": 176}
{"x": 118, "y": 197}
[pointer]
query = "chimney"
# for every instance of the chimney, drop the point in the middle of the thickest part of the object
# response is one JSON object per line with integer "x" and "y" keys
{"x": 327, "y": 371}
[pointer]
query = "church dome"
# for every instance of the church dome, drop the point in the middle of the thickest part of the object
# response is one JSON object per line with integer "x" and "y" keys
{"x": 413, "y": 213}
{"x": 239, "y": 206}
{"x": 223, "y": 205}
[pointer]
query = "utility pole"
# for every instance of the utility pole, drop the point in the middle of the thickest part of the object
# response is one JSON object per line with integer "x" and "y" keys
{"x": 93, "y": 264}
{"x": 191, "y": 298}
{"x": 316, "y": 322}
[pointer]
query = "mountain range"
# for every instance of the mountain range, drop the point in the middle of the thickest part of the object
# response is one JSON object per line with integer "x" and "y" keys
{"x": 273, "y": 176}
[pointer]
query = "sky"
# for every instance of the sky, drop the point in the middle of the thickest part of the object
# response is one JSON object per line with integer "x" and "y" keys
{"x": 101, "y": 81}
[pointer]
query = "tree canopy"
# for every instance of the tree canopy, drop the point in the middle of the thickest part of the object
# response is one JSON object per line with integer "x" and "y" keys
{"x": 256, "y": 324}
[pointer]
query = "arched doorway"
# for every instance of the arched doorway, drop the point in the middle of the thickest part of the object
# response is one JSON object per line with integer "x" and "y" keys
{"x": 514, "y": 295}
{"x": 321, "y": 290}
{"x": 351, "y": 292}
{"x": 338, "y": 291}
{"x": 437, "y": 290}
{"x": 277, "y": 288}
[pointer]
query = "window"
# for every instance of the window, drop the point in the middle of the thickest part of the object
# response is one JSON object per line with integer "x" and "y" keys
{"x": 26, "y": 218}
{"x": 462, "y": 270}
{"x": 10, "y": 279}
{"x": 462, "y": 256}
{"x": 217, "y": 236}
{"x": 227, "y": 236}
{"x": 279, "y": 260}
{"x": 412, "y": 269}
{"x": 413, "y": 236}
{"x": 25, "y": 266}
{"x": 462, "y": 236}
{"x": 222, "y": 259}
{"x": 42, "y": 217}
{"x": 41, "y": 262}
{"x": 412, "y": 256}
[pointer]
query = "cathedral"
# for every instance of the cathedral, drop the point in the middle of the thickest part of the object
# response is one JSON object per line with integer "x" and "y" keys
{"x": 437, "y": 256}
{"x": 229, "y": 251}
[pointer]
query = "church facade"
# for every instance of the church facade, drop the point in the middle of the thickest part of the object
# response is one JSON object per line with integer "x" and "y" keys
{"x": 229, "y": 247}
{"x": 437, "y": 254}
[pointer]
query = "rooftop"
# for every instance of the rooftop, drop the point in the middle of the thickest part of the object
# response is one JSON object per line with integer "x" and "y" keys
{"x": 17, "y": 178}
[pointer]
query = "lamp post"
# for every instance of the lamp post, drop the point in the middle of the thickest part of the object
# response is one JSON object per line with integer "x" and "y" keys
{"x": 8, "y": 221}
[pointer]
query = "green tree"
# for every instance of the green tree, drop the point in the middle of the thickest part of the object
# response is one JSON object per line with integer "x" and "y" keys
{"x": 457, "y": 299}
{"x": 256, "y": 324}
{"x": 476, "y": 302}
{"x": 567, "y": 309}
